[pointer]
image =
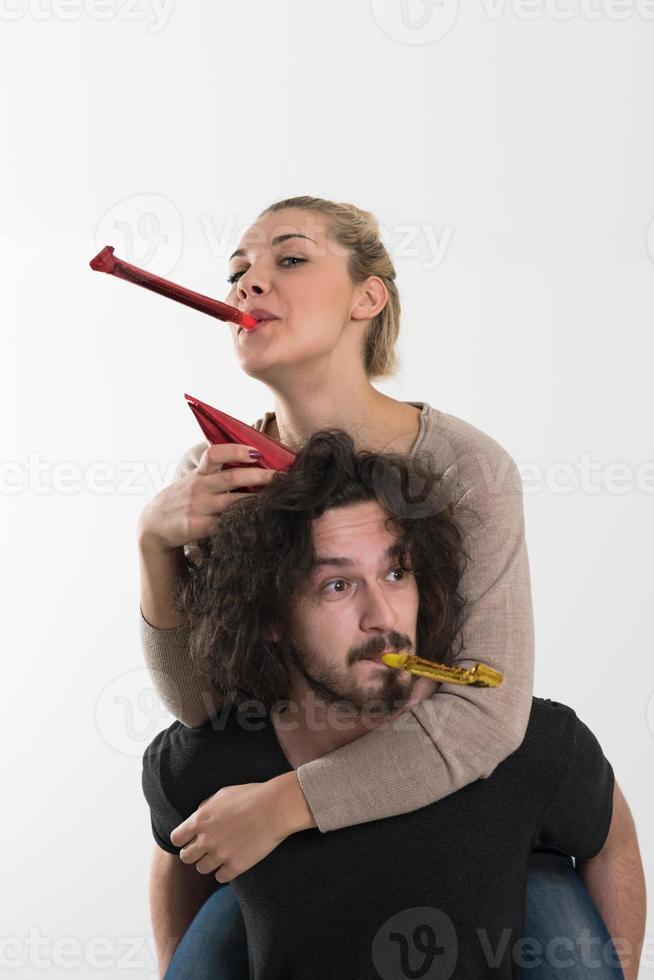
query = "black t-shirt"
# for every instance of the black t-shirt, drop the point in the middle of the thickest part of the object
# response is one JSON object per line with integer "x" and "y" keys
{"x": 435, "y": 893}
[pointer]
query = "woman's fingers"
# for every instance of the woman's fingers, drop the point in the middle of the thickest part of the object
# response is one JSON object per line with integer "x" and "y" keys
{"x": 186, "y": 510}
{"x": 213, "y": 457}
{"x": 192, "y": 851}
{"x": 239, "y": 476}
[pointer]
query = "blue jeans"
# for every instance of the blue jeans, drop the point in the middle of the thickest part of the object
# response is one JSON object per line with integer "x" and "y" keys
{"x": 565, "y": 936}
{"x": 571, "y": 940}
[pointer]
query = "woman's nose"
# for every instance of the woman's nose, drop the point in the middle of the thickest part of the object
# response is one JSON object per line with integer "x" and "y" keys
{"x": 252, "y": 282}
{"x": 255, "y": 288}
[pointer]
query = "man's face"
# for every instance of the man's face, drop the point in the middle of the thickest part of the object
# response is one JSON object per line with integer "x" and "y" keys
{"x": 357, "y": 604}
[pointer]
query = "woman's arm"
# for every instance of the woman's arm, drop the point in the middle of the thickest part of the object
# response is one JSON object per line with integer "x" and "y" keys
{"x": 460, "y": 734}
{"x": 186, "y": 693}
{"x": 185, "y": 511}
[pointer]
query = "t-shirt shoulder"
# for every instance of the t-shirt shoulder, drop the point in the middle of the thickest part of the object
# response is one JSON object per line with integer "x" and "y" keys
{"x": 577, "y": 815}
{"x": 156, "y": 781}
{"x": 182, "y": 766}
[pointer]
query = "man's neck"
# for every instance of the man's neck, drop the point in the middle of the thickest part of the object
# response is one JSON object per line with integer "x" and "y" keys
{"x": 311, "y": 729}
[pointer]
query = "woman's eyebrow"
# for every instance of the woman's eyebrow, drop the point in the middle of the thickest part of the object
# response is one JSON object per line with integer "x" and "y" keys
{"x": 276, "y": 241}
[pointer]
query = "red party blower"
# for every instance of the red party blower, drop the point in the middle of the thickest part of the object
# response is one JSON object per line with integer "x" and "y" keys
{"x": 106, "y": 261}
{"x": 219, "y": 427}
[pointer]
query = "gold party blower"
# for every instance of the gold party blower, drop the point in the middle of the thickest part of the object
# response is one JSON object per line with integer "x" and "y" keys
{"x": 478, "y": 676}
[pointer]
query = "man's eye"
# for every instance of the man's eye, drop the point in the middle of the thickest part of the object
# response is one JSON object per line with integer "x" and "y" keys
{"x": 338, "y": 581}
{"x": 235, "y": 276}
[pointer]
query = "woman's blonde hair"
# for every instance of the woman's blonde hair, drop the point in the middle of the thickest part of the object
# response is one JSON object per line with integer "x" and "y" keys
{"x": 358, "y": 232}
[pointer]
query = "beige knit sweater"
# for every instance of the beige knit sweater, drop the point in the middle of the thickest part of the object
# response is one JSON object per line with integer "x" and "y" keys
{"x": 461, "y": 733}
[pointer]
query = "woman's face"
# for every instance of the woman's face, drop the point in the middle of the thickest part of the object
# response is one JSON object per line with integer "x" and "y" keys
{"x": 304, "y": 282}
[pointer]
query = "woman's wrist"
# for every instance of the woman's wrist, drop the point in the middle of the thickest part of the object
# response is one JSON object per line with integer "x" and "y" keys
{"x": 292, "y": 812}
{"x": 150, "y": 542}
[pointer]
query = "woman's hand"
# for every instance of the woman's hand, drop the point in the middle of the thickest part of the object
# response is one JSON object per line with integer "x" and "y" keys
{"x": 187, "y": 509}
{"x": 239, "y": 825}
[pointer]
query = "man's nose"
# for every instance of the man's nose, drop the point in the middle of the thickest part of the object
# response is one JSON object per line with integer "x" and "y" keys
{"x": 378, "y": 613}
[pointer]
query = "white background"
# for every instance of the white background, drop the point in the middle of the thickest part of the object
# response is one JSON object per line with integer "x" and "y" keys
{"x": 508, "y": 154}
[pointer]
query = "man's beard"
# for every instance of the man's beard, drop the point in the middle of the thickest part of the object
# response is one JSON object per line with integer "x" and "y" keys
{"x": 333, "y": 685}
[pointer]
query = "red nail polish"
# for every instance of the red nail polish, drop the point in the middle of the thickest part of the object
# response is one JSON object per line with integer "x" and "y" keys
{"x": 218, "y": 427}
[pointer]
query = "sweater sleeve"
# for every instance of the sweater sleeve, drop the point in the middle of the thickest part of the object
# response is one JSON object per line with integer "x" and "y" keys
{"x": 187, "y": 694}
{"x": 185, "y": 691}
{"x": 461, "y": 733}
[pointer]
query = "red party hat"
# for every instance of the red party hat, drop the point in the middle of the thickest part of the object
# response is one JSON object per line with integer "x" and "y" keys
{"x": 219, "y": 427}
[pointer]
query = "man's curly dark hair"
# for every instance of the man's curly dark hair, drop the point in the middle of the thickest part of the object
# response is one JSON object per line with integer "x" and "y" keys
{"x": 260, "y": 554}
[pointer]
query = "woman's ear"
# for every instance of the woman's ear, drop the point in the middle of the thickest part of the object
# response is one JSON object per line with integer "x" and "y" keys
{"x": 372, "y": 298}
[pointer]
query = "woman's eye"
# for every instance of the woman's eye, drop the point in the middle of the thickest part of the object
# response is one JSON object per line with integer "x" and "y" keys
{"x": 235, "y": 276}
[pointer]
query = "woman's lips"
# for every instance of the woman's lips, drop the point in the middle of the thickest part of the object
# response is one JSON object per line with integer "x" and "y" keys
{"x": 260, "y": 324}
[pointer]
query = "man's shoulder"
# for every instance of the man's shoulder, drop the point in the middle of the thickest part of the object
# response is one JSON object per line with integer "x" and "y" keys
{"x": 542, "y": 754}
{"x": 170, "y": 749}
{"x": 550, "y": 732}
{"x": 182, "y": 767}
{"x": 555, "y": 716}
{"x": 235, "y": 737}
{"x": 180, "y": 746}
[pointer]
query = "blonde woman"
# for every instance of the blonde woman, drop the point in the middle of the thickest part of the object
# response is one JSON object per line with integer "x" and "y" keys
{"x": 320, "y": 271}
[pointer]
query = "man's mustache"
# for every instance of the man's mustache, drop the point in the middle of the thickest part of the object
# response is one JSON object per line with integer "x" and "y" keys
{"x": 393, "y": 643}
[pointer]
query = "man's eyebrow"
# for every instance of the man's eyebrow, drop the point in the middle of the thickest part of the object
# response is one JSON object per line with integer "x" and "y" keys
{"x": 276, "y": 241}
{"x": 321, "y": 560}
